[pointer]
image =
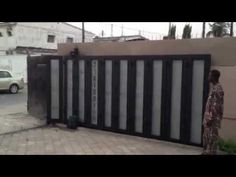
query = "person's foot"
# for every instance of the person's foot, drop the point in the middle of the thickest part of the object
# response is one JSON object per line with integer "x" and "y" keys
{"x": 208, "y": 153}
{"x": 204, "y": 153}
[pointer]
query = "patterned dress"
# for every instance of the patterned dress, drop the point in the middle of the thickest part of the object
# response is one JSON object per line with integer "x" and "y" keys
{"x": 212, "y": 119}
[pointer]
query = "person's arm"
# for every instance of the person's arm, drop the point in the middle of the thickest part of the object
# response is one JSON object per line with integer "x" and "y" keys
{"x": 220, "y": 106}
{"x": 216, "y": 108}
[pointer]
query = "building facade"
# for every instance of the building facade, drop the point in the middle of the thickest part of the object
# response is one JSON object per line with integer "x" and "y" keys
{"x": 17, "y": 40}
{"x": 119, "y": 38}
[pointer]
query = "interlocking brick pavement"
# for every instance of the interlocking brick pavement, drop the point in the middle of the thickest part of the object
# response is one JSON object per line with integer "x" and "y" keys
{"x": 18, "y": 121}
{"x": 83, "y": 141}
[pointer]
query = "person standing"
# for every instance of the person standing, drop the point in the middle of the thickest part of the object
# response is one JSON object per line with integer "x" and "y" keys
{"x": 213, "y": 114}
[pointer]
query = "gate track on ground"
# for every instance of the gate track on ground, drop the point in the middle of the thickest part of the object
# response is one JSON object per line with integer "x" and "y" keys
{"x": 37, "y": 127}
{"x": 22, "y": 130}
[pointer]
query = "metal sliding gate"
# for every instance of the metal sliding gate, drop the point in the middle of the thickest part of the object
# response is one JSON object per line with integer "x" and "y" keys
{"x": 160, "y": 97}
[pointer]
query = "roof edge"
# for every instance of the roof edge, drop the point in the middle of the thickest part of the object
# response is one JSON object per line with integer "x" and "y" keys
{"x": 8, "y": 23}
{"x": 78, "y": 28}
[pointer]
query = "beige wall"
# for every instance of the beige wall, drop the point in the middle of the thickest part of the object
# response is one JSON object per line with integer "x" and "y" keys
{"x": 228, "y": 81}
{"x": 222, "y": 50}
{"x": 228, "y": 129}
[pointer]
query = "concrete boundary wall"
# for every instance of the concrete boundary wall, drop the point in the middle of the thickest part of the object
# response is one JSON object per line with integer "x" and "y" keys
{"x": 222, "y": 50}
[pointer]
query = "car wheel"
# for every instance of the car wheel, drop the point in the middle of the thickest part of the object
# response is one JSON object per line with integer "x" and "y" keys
{"x": 13, "y": 89}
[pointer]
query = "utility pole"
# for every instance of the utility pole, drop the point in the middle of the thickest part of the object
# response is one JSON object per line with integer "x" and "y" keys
{"x": 83, "y": 35}
{"x": 111, "y": 30}
{"x": 232, "y": 29}
{"x": 122, "y": 30}
{"x": 203, "y": 29}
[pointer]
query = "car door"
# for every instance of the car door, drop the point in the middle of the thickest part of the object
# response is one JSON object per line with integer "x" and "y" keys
{"x": 5, "y": 79}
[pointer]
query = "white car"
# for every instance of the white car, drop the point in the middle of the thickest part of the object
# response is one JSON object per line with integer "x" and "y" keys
{"x": 10, "y": 82}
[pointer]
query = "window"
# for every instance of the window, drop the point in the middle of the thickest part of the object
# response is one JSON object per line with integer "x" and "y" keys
{"x": 9, "y": 33}
{"x": 9, "y": 52}
{"x": 69, "y": 40}
{"x": 4, "y": 74}
{"x": 51, "y": 38}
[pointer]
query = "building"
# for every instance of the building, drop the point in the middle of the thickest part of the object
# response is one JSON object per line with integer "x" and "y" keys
{"x": 120, "y": 38}
{"x": 17, "y": 40}
{"x": 15, "y": 37}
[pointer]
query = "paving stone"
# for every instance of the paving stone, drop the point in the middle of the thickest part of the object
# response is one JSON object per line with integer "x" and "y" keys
{"x": 85, "y": 141}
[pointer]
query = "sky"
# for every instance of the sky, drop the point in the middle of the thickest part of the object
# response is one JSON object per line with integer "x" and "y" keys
{"x": 151, "y": 30}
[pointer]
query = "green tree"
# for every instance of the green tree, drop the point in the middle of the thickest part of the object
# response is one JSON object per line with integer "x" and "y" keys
{"x": 187, "y": 32}
{"x": 172, "y": 32}
{"x": 219, "y": 29}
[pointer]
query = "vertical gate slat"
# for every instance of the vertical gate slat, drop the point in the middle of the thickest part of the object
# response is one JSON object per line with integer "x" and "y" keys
{"x": 166, "y": 98}
{"x": 176, "y": 98}
{"x": 186, "y": 100}
{"x": 65, "y": 90}
{"x": 147, "y": 99}
{"x": 115, "y": 94}
{"x": 131, "y": 86}
{"x": 157, "y": 97}
{"x": 61, "y": 89}
{"x": 75, "y": 95}
{"x": 81, "y": 85}
{"x": 101, "y": 93}
{"x": 87, "y": 99}
{"x": 49, "y": 102}
{"x": 108, "y": 92}
{"x": 70, "y": 87}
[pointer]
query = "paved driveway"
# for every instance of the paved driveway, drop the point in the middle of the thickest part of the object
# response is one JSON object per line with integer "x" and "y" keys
{"x": 19, "y": 135}
{"x": 54, "y": 140}
{"x": 13, "y": 103}
{"x": 13, "y": 113}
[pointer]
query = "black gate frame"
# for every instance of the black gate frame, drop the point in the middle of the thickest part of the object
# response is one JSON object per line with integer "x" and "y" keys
{"x": 187, "y": 68}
